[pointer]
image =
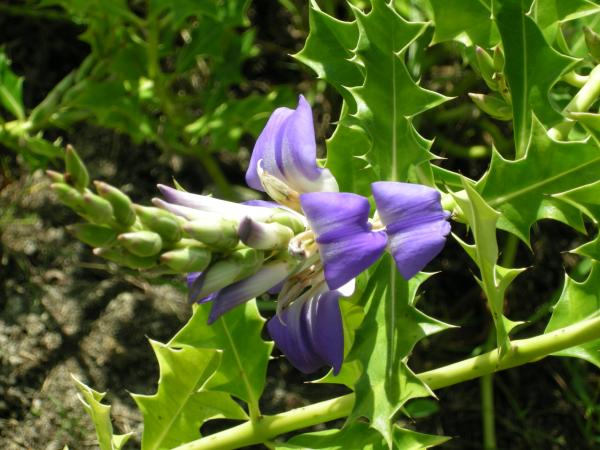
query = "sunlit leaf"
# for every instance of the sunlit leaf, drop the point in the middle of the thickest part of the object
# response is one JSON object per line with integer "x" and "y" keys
{"x": 469, "y": 22}
{"x": 100, "y": 414}
{"x": 579, "y": 301}
{"x": 532, "y": 67}
{"x": 11, "y": 89}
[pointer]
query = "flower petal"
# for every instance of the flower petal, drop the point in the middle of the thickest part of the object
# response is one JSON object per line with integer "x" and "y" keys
{"x": 268, "y": 276}
{"x": 265, "y": 148}
{"x": 297, "y": 156}
{"x": 310, "y": 333}
{"x": 415, "y": 222}
{"x": 346, "y": 243}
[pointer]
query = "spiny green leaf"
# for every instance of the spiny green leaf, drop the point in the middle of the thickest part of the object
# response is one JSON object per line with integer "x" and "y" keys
{"x": 388, "y": 86}
{"x": 532, "y": 67}
{"x": 494, "y": 279}
{"x": 469, "y": 22}
{"x": 549, "y": 14}
{"x": 521, "y": 190}
{"x": 591, "y": 249}
{"x": 585, "y": 198}
{"x": 579, "y": 301}
{"x": 359, "y": 435}
{"x": 100, "y": 414}
{"x": 245, "y": 355}
{"x": 391, "y": 328}
{"x": 180, "y": 406}
{"x": 328, "y": 51}
{"x": 11, "y": 89}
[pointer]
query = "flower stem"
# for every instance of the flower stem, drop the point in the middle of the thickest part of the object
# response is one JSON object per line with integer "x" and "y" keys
{"x": 581, "y": 102}
{"x": 522, "y": 351}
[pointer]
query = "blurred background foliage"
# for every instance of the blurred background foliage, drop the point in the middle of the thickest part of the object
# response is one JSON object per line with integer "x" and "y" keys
{"x": 148, "y": 90}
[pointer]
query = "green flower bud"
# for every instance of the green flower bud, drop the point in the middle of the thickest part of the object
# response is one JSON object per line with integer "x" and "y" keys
{"x": 264, "y": 236}
{"x": 291, "y": 221}
{"x": 55, "y": 177}
{"x": 141, "y": 243}
{"x": 162, "y": 222}
{"x": 189, "y": 259}
{"x": 240, "y": 264}
{"x": 69, "y": 196}
{"x": 494, "y": 105}
{"x": 77, "y": 174}
{"x": 124, "y": 258}
{"x": 120, "y": 202}
{"x": 592, "y": 41}
{"x": 97, "y": 209}
{"x": 215, "y": 232}
{"x": 498, "y": 59}
{"x": 94, "y": 235}
{"x": 486, "y": 67}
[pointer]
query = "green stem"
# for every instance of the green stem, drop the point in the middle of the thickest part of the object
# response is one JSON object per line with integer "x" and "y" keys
{"x": 582, "y": 101}
{"x": 574, "y": 79}
{"x": 522, "y": 352}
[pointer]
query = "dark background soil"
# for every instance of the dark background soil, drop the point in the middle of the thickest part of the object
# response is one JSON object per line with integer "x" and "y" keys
{"x": 64, "y": 311}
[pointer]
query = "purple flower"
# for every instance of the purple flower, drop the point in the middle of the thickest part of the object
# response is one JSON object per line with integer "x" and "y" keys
{"x": 346, "y": 243}
{"x": 414, "y": 221}
{"x": 283, "y": 161}
{"x": 310, "y": 333}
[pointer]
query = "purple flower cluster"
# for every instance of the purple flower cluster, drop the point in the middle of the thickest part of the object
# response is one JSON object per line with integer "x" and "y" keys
{"x": 339, "y": 240}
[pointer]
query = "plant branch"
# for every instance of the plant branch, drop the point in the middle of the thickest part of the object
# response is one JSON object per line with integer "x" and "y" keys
{"x": 521, "y": 352}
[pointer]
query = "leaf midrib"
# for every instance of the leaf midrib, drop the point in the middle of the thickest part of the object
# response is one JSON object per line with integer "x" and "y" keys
{"x": 505, "y": 198}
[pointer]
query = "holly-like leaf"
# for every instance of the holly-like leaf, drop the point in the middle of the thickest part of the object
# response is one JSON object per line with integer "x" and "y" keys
{"x": 466, "y": 22}
{"x": 520, "y": 190}
{"x": 531, "y": 69}
{"x": 11, "y": 89}
{"x": 493, "y": 279}
{"x": 180, "y": 406}
{"x": 328, "y": 51}
{"x": 100, "y": 414}
{"x": 591, "y": 249}
{"x": 391, "y": 328}
{"x": 550, "y": 14}
{"x": 579, "y": 301}
{"x": 245, "y": 355}
{"x": 389, "y": 97}
{"x": 359, "y": 435}
{"x": 585, "y": 198}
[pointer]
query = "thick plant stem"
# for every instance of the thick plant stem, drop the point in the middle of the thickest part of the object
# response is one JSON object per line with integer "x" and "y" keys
{"x": 521, "y": 352}
{"x": 581, "y": 102}
{"x": 488, "y": 419}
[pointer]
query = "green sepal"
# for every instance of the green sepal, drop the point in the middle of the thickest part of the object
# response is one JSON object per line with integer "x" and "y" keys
{"x": 160, "y": 221}
{"x": 188, "y": 259}
{"x": 69, "y": 196}
{"x": 288, "y": 220}
{"x": 141, "y": 243}
{"x": 120, "y": 202}
{"x": 77, "y": 174}
{"x": 94, "y": 235}
{"x": 125, "y": 258}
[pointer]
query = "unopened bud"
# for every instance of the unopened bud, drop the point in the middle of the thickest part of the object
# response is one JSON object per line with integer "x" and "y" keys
{"x": 494, "y": 105}
{"x": 77, "y": 174}
{"x": 141, "y": 243}
{"x": 240, "y": 264}
{"x": 264, "y": 236}
{"x": 162, "y": 222}
{"x": 94, "y": 235}
{"x": 189, "y": 259}
{"x": 123, "y": 257}
{"x": 290, "y": 220}
{"x": 97, "y": 209}
{"x": 486, "y": 67}
{"x": 120, "y": 202}
{"x": 69, "y": 196}
{"x": 213, "y": 231}
{"x": 498, "y": 59}
{"x": 55, "y": 177}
